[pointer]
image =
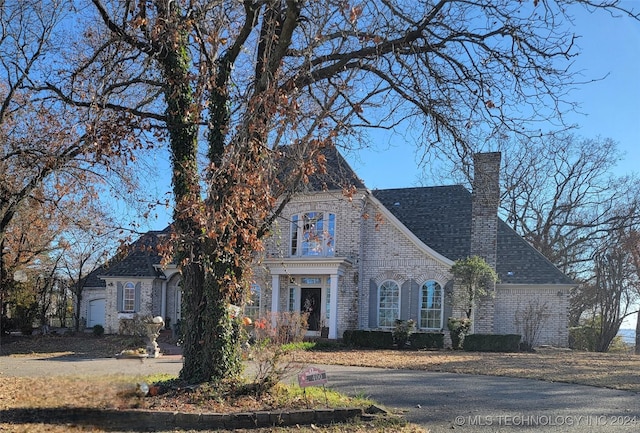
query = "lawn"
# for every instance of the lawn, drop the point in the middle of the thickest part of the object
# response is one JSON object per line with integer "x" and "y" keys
{"x": 34, "y": 399}
{"x": 612, "y": 370}
{"x": 609, "y": 370}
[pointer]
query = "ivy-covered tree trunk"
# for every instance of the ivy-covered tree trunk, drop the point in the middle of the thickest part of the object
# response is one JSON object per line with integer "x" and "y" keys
{"x": 211, "y": 335}
{"x": 211, "y": 346}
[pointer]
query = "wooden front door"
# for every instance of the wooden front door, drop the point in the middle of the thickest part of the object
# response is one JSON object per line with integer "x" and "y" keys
{"x": 310, "y": 303}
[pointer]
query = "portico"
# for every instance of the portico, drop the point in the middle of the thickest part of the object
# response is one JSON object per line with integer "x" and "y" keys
{"x": 308, "y": 282}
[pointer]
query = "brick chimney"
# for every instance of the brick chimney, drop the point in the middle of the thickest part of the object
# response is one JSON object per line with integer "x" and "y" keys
{"x": 484, "y": 228}
{"x": 484, "y": 210}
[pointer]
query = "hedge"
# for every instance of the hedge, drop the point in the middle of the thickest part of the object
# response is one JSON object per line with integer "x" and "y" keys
{"x": 427, "y": 340}
{"x": 492, "y": 343}
{"x": 384, "y": 339}
{"x": 372, "y": 339}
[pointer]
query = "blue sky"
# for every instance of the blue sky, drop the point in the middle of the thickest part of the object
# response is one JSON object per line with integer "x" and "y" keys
{"x": 609, "y": 108}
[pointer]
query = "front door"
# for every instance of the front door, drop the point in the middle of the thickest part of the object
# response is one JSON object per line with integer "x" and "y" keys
{"x": 310, "y": 303}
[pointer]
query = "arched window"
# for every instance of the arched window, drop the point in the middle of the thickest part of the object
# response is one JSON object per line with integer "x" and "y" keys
{"x": 431, "y": 306}
{"x": 388, "y": 304}
{"x": 129, "y": 297}
{"x": 313, "y": 234}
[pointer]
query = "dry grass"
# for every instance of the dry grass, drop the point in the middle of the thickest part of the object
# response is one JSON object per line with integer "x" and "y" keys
{"x": 614, "y": 370}
{"x": 35, "y": 395}
{"x": 79, "y": 345}
{"x": 609, "y": 370}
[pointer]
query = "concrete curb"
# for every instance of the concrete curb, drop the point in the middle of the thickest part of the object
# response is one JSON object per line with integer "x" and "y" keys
{"x": 140, "y": 420}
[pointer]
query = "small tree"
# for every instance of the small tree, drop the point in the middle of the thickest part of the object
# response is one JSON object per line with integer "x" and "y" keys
{"x": 475, "y": 279}
{"x": 529, "y": 322}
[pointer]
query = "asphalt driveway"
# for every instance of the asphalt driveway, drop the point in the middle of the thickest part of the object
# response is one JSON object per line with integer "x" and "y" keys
{"x": 439, "y": 401}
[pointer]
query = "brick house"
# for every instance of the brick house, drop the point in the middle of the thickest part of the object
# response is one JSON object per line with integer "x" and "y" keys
{"x": 363, "y": 261}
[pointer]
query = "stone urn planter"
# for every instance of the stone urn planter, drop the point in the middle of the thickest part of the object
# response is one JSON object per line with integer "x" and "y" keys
{"x": 153, "y": 328}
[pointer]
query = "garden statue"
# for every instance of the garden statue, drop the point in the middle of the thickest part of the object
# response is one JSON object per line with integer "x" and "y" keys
{"x": 153, "y": 328}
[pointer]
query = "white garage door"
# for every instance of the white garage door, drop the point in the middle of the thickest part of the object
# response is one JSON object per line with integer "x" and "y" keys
{"x": 96, "y": 312}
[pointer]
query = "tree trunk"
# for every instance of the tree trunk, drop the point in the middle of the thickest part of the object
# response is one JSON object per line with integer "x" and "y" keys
{"x": 76, "y": 309}
{"x": 637, "y": 351}
{"x": 211, "y": 336}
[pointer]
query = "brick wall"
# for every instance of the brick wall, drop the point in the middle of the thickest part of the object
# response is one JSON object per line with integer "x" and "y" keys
{"x": 348, "y": 214}
{"x": 112, "y": 322}
{"x": 513, "y": 304}
{"x": 388, "y": 254}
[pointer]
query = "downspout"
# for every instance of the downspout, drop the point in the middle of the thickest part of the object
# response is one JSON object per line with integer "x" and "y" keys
{"x": 360, "y": 286}
{"x": 163, "y": 301}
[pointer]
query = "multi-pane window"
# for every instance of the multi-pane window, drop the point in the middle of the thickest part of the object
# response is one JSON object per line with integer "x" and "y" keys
{"x": 252, "y": 308}
{"x": 327, "y": 306}
{"x": 313, "y": 234}
{"x": 388, "y": 304}
{"x": 431, "y": 306}
{"x": 129, "y": 297}
{"x": 292, "y": 299}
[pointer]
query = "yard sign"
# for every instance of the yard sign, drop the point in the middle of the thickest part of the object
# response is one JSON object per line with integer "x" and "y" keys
{"x": 312, "y": 376}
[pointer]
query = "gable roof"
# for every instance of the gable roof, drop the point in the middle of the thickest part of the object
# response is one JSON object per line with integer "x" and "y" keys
{"x": 335, "y": 174}
{"x": 140, "y": 260}
{"x": 441, "y": 217}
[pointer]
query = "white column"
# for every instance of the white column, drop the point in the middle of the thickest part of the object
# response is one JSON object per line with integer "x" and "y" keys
{"x": 333, "y": 307}
{"x": 275, "y": 298}
{"x": 163, "y": 301}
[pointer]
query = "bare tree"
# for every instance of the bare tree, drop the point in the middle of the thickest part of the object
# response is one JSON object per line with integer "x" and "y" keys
{"x": 530, "y": 320}
{"x": 559, "y": 193}
{"x": 632, "y": 245}
{"x": 257, "y": 75}
{"x": 55, "y": 160}
{"x": 562, "y": 197}
{"x": 565, "y": 201}
{"x": 84, "y": 253}
{"x": 616, "y": 290}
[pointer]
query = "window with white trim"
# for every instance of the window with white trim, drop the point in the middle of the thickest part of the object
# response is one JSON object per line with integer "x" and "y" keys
{"x": 313, "y": 234}
{"x": 388, "y": 304}
{"x": 252, "y": 307}
{"x": 430, "y": 306}
{"x": 129, "y": 297}
{"x": 292, "y": 299}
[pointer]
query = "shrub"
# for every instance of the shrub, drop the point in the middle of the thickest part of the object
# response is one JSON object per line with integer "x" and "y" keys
{"x": 98, "y": 330}
{"x": 291, "y": 327}
{"x": 427, "y": 340}
{"x": 370, "y": 339}
{"x": 270, "y": 348}
{"x": 458, "y": 328}
{"x": 402, "y": 331}
{"x": 492, "y": 343}
{"x": 327, "y": 345}
{"x": 24, "y": 318}
{"x": 583, "y": 337}
{"x": 134, "y": 326}
{"x": 8, "y": 324}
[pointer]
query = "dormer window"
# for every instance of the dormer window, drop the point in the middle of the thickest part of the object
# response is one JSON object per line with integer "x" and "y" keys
{"x": 313, "y": 234}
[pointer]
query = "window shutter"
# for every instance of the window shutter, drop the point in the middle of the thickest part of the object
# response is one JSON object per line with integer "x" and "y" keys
{"x": 373, "y": 304}
{"x": 119, "y": 298}
{"x": 405, "y": 300}
{"x": 414, "y": 308}
{"x": 137, "y": 298}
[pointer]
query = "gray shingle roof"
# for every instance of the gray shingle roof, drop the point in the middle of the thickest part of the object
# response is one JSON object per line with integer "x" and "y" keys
{"x": 441, "y": 218}
{"x": 139, "y": 260}
{"x": 337, "y": 174}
